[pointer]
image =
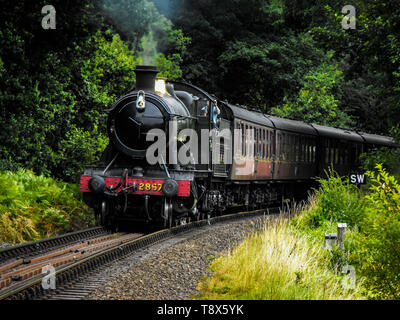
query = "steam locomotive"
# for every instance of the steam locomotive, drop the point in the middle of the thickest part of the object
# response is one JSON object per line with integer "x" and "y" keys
{"x": 177, "y": 153}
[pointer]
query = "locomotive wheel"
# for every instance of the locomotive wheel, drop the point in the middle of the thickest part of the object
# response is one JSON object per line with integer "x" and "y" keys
{"x": 103, "y": 213}
{"x": 167, "y": 213}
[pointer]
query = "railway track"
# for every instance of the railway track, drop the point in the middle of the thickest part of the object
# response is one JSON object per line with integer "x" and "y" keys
{"x": 76, "y": 263}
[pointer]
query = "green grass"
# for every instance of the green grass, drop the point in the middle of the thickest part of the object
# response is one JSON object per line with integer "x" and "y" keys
{"x": 277, "y": 263}
{"x": 34, "y": 207}
{"x": 287, "y": 261}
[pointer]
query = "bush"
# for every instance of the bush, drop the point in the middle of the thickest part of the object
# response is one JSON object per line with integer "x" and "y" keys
{"x": 378, "y": 245}
{"x": 34, "y": 207}
{"x": 335, "y": 201}
{"x": 372, "y": 241}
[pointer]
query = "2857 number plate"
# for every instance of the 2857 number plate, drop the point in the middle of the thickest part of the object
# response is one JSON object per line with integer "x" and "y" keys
{"x": 149, "y": 186}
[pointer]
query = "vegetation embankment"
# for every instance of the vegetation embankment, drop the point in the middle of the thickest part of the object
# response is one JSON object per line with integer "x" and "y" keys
{"x": 287, "y": 260}
{"x": 34, "y": 207}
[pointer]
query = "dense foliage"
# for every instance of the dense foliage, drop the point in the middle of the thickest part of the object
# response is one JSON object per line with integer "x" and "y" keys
{"x": 57, "y": 84}
{"x": 35, "y": 207}
{"x": 372, "y": 240}
{"x": 293, "y": 58}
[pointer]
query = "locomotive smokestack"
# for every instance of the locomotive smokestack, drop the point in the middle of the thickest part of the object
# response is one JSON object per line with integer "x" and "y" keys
{"x": 146, "y": 77}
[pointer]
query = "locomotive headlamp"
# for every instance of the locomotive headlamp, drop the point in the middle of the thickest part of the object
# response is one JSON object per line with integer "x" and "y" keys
{"x": 160, "y": 86}
{"x": 140, "y": 102}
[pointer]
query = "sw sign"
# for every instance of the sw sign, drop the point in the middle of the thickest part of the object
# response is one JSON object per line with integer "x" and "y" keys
{"x": 357, "y": 178}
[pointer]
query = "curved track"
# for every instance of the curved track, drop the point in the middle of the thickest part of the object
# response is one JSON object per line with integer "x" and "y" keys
{"x": 23, "y": 278}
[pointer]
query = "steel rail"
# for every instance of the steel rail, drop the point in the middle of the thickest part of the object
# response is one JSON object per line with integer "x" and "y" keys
{"x": 33, "y": 288}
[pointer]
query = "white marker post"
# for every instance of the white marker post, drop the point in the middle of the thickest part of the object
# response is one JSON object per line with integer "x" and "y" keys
{"x": 341, "y": 228}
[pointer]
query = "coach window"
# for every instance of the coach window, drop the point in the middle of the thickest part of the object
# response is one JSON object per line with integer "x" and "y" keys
{"x": 272, "y": 144}
{"x": 255, "y": 143}
{"x": 314, "y": 150}
{"x": 283, "y": 146}
{"x": 299, "y": 148}
{"x": 342, "y": 154}
{"x": 287, "y": 153}
{"x": 246, "y": 132}
{"x": 326, "y": 145}
{"x": 255, "y": 132}
{"x": 329, "y": 152}
{"x": 346, "y": 154}
{"x": 263, "y": 142}
{"x": 256, "y": 137}
{"x": 252, "y": 141}
{"x": 307, "y": 150}
{"x": 258, "y": 143}
{"x": 266, "y": 143}
{"x": 336, "y": 154}
{"x": 311, "y": 150}
{"x": 291, "y": 147}
{"x": 280, "y": 146}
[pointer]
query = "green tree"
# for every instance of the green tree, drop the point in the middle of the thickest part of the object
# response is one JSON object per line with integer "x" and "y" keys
{"x": 318, "y": 101}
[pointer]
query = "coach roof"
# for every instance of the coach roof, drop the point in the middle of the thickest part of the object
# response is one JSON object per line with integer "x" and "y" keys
{"x": 251, "y": 116}
{"x": 292, "y": 125}
{"x": 379, "y": 140}
{"x": 337, "y": 133}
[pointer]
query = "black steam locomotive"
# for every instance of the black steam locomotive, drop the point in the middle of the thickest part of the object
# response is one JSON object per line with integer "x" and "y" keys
{"x": 176, "y": 154}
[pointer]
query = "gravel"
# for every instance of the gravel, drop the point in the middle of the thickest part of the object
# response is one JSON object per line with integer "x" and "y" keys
{"x": 172, "y": 269}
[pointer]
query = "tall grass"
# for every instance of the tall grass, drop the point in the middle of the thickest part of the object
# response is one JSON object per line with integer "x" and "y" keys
{"x": 34, "y": 207}
{"x": 276, "y": 263}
